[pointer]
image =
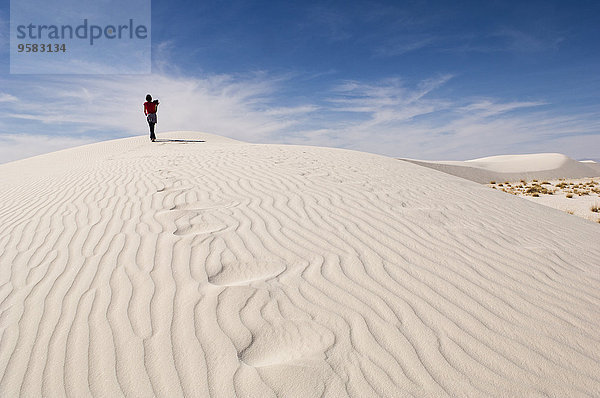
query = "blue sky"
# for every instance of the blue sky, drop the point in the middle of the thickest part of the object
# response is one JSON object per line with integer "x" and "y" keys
{"x": 419, "y": 79}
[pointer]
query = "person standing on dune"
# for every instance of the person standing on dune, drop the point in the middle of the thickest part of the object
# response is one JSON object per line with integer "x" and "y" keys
{"x": 150, "y": 109}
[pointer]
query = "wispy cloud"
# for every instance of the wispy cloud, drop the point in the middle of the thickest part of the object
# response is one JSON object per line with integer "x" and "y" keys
{"x": 388, "y": 100}
{"x": 389, "y": 116}
{"x": 327, "y": 22}
{"x": 502, "y": 40}
{"x": 19, "y": 146}
{"x": 486, "y": 108}
{"x": 521, "y": 41}
{"x": 7, "y": 98}
{"x": 101, "y": 107}
{"x": 402, "y": 45}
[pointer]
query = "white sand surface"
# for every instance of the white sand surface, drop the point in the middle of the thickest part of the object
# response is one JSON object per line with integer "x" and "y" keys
{"x": 224, "y": 269}
{"x": 542, "y": 166}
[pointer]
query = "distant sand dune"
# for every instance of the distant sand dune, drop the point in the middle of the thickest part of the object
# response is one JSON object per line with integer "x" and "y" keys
{"x": 541, "y": 166}
{"x": 221, "y": 268}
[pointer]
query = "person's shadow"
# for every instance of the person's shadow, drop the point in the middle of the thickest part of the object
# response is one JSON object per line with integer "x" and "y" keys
{"x": 176, "y": 140}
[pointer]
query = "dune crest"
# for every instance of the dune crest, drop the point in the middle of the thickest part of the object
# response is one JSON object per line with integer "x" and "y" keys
{"x": 521, "y": 163}
{"x": 203, "y": 266}
{"x": 541, "y": 166}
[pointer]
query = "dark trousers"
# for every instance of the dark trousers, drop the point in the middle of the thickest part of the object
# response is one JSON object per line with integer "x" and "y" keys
{"x": 152, "y": 136}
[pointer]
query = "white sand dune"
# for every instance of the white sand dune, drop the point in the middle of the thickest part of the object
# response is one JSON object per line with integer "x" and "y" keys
{"x": 225, "y": 269}
{"x": 542, "y": 166}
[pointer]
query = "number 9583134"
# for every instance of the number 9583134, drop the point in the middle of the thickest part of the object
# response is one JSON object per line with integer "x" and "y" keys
{"x": 41, "y": 48}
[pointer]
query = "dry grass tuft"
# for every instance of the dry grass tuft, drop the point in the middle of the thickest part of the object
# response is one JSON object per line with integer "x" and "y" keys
{"x": 595, "y": 208}
{"x": 569, "y": 195}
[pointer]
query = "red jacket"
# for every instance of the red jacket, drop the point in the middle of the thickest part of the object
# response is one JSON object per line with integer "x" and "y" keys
{"x": 149, "y": 107}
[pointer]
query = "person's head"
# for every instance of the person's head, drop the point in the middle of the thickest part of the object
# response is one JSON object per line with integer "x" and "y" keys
{"x": 149, "y": 98}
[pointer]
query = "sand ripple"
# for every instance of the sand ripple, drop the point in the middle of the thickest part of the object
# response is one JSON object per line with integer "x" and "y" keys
{"x": 228, "y": 269}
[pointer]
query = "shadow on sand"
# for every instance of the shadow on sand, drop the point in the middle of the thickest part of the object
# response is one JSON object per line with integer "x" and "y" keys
{"x": 175, "y": 140}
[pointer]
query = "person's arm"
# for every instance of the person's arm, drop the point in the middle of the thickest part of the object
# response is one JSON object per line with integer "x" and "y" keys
{"x": 145, "y": 111}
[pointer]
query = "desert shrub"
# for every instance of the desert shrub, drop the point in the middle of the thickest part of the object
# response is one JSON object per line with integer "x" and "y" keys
{"x": 569, "y": 195}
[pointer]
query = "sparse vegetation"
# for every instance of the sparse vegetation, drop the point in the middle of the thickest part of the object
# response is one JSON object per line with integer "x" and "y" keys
{"x": 537, "y": 189}
{"x": 571, "y": 189}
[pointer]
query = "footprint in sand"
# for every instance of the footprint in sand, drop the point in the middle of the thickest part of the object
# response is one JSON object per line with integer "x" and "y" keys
{"x": 236, "y": 273}
{"x": 192, "y": 223}
{"x": 199, "y": 229}
{"x": 174, "y": 189}
{"x": 204, "y": 206}
{"x": 193, "y": 218}
{"x": 286, "y": 341}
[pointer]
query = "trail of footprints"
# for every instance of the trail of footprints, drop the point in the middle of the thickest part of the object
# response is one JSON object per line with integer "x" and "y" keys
{"x": 278, "y": 341}
{"x": 231, "y": 278}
